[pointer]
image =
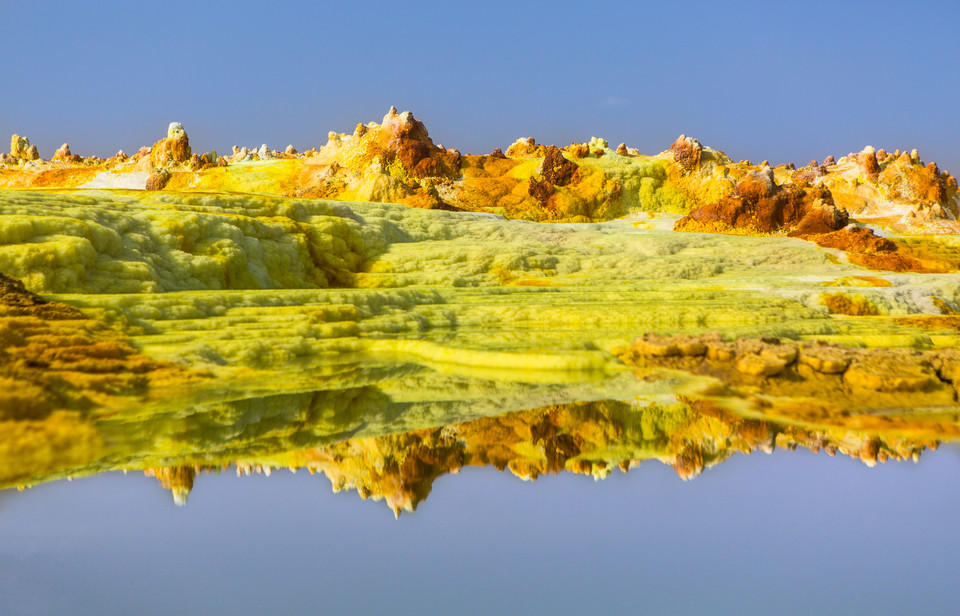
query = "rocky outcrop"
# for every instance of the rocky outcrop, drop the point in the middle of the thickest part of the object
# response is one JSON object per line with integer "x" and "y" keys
{"x": 904, "y": 180}
{"x": 867, "y": 163}
{"x": 173, "y": 149}
{"x": 578, "y": 150}
{"x": 63, "y": 154}
{"x": 19, "y": 146}
{"x": 399, "y": 146}
{"x": 526, "y": 148}
{"x": 556, "y": 169}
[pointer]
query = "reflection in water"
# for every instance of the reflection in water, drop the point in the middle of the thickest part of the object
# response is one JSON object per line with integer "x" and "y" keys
{"x": 177, "y": 479}
{"x": 590, "y": 438}
{"x": 388, "y": 429}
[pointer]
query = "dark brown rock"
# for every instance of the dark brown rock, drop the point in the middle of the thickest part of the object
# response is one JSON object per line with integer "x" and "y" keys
{"x": 556, "y": 169}
{"x": 821, "y": 217}
{"x": 540, "y": 190}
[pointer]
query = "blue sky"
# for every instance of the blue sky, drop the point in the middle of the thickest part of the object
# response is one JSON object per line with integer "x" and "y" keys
{"x": 781, "y": 81}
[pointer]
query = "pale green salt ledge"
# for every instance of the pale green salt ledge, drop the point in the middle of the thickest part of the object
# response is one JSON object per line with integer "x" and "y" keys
{"x": 249, "y": 280}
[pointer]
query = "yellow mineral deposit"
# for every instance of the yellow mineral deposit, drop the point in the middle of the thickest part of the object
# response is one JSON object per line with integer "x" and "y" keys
{"x": 385, "y": 309}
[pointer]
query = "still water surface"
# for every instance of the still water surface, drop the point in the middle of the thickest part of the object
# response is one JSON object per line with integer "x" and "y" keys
{"x": 789, "y": 533}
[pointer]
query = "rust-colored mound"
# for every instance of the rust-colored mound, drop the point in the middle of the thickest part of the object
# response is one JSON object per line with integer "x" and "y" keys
{"x": 866, "y": 249}
{"x": 400, "y": 143}
{"x": 686, "y": 152}
{"x": 760, "y": 206}
{"x": 171, "y": 150}
{"x": 555, "y": 171}
{"x": 852, "y": 305}
{"x": 857, "y": 240}
{"x": 904, "y": 179}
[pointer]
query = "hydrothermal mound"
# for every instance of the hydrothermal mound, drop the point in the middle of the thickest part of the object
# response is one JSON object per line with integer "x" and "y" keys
{"x": 226, "y": 315}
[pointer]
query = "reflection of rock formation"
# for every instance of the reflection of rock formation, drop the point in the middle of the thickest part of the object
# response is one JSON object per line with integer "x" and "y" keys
{"x": 813, "y": 382}
{"x": 177, "y": 479}
{"x": 584, "y": 438}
